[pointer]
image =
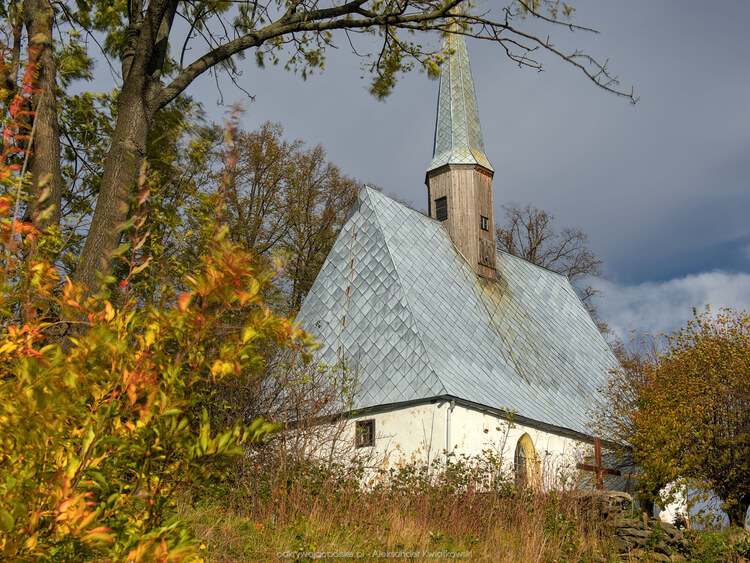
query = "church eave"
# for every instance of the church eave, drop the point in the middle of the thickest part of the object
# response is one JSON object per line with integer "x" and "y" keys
{"x": 502, "y": 413}
{"x": 455, "y": 166}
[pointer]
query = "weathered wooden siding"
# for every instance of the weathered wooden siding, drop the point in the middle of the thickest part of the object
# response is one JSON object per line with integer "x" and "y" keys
{"x": 468, "y": 189}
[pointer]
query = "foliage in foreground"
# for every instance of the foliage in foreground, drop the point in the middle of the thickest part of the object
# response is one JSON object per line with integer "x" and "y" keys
{"x": 98, "y": 436}
{"x": 101, "y": 396}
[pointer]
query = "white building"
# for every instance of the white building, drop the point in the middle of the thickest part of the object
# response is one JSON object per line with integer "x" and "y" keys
{"x": 450, "y": 340}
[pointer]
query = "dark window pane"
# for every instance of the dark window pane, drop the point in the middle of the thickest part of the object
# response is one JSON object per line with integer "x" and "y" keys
{"x": 365, "y": 433}
{"x": 441, "y": 208}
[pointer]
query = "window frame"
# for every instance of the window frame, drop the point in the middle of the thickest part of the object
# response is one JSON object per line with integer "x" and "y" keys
{"x": 364, "y": 433}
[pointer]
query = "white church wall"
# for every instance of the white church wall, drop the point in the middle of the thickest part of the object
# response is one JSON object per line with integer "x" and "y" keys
{"x": 420, "y": 433}
{"x": 423, "y": 432}
{"x": 413, "y": 434}
{"x": 473, "y": 431}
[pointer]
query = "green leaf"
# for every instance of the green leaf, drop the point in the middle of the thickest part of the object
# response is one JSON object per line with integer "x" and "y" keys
{"x": 6, "y": 521}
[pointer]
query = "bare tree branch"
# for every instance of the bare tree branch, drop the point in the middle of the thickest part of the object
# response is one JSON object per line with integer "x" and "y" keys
{"x": 529, "y": 233}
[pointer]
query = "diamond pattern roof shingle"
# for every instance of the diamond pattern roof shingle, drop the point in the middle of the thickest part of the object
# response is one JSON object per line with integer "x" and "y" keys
{"x": 397, "y": 302}
{"x": 458, "y": 134}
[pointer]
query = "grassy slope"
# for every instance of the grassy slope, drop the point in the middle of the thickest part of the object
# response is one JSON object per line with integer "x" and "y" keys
{"x": 462, "y": 507}
{"x": 517, "y": 527}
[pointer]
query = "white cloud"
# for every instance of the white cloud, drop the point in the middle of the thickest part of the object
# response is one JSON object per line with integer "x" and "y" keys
{"x": 666, "y": 306}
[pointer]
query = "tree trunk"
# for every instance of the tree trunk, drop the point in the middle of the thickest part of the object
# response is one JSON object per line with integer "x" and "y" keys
{"x": 737, "y": 514}
{"x": 120, "y": 171}
{"x": 39, "y": 18}
{"x": 647, "y": 505}
{"x": 136, "y": 109}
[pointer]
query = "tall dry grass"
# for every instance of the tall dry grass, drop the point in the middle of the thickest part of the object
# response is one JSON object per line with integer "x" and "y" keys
{"x": 463, "y": 506}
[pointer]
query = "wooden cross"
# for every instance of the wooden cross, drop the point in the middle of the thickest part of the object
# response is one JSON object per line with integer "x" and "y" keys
{"x": 598, "y": 467}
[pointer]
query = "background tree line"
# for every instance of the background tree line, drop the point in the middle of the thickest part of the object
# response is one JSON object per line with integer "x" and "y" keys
{"x": 280, "y": 200}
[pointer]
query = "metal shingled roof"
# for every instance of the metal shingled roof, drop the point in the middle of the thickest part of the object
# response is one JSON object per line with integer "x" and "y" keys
{"x": 458, "y": 134}
{"x": 412, "y": 320}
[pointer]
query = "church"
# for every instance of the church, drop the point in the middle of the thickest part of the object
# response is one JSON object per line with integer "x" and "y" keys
{"x": 455, "y": 347}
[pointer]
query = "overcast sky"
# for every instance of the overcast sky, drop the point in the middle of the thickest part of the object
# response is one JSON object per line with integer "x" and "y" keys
{"x": 661, "y": 187}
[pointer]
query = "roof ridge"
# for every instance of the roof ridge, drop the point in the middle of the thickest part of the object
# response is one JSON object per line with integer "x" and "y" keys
{"x": 522, "y": 259}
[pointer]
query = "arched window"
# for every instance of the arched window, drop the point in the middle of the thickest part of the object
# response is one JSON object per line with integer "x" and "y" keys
{"x": 526, "y": 463}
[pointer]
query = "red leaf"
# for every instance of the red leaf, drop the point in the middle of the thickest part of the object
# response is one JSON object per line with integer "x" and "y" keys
{"x": 184, "y": 300}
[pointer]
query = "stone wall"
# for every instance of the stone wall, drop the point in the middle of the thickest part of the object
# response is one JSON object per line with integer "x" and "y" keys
{"x": 635, "y": 537}
{"x": 661, "y": 540}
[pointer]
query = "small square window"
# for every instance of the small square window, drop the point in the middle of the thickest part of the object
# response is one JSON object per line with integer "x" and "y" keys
{"x": 365, "y": 433}
{"x": 484, "y": 222}
{"x": 441, "y": 208}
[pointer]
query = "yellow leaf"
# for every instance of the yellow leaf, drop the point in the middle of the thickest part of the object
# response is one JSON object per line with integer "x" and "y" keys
{"x": 109, "y": 312}
{"x": 150, "y": 336}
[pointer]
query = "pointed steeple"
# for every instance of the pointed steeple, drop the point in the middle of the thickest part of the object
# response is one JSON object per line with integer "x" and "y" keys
{"x": 458, "y": 134}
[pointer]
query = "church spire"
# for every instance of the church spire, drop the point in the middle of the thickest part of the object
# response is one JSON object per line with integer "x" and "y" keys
{"x": 459, "y": 178}
{"x": 458, "y": 134}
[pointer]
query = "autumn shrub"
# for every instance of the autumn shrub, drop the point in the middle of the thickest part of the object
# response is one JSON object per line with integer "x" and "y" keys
{"x": 680, "y": 412}
{"x": 102, "y": 422}
{"x": 96, "y": 439}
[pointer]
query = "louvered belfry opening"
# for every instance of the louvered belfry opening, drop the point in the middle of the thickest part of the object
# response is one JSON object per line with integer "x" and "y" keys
{"x": 459, "y": 177}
